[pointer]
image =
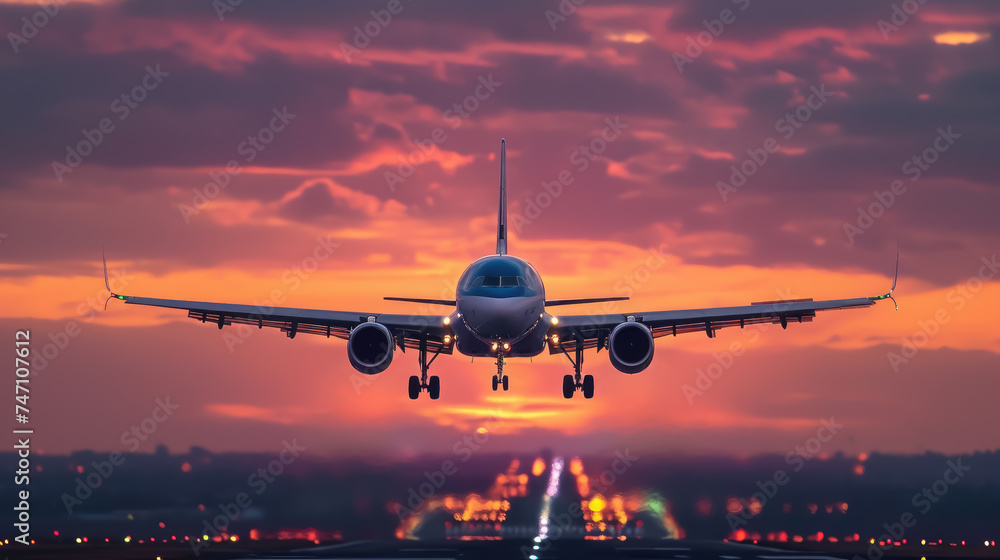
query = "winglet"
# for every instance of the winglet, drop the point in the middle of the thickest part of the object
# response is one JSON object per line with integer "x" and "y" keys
{"x": 502, "y": 212}
{"x": 895, "y": 277}
{"x": 108, "y": 284}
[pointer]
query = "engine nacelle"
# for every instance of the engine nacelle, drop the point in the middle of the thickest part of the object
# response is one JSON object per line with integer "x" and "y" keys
{"x": 369, "y": 348}
{"x": 631, "y": 347}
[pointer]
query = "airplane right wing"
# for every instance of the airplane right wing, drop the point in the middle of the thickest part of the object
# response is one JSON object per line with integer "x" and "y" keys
{"x": 629, "y": 336}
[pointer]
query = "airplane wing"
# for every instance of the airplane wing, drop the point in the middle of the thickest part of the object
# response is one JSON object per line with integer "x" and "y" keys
{"x": 592, "y": 331}
{"x": 408, "y": 329}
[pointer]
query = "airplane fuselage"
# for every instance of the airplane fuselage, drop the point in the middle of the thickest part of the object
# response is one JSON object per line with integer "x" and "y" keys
{"x": 500, "y": 300}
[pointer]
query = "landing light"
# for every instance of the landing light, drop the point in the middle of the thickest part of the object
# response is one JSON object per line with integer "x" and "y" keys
{"x": 494, "y": 345}
{"x": 447, "y": 320}
{"x": 506, "y": 346}
{"x": 447, "y": 339}
{"x": 555, "y": 339}
{"x": 555, "y": 320}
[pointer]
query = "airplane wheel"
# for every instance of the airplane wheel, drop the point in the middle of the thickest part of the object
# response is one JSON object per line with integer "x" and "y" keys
{"x": 496, "y": 382}
{"x": 569, "y": 387}
{"x": 505, "y": 383}
{"x": 414, "y": 388}
{"x": 588, "y": 386}
{"x": 434, "y": 387}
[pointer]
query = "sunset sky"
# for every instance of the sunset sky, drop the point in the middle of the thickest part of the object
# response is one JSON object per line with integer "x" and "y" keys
{"x": 848, "y": 101}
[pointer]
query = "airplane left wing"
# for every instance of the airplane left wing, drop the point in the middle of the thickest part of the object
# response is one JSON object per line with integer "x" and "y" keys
{"x": 407, "y": 330}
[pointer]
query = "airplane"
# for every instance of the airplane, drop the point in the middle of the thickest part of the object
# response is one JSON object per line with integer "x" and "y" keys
{"x": 500, "y": 311}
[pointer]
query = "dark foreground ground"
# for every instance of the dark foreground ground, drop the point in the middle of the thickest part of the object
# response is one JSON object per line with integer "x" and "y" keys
{"x": 507, "y": 549}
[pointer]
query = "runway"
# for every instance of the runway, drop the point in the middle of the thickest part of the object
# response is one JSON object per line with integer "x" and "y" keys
{"x": 575, "y": 549}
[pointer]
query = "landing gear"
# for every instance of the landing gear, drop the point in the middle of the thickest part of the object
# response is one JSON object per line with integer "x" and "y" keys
{"x": 434, "y": 387}
{"x": 577, "y": 381}
{"x": 432, "y": 384}
{"x": 500, "y": 379}
{"x": 414, "y": 388}
{"x": 568, "y": 386}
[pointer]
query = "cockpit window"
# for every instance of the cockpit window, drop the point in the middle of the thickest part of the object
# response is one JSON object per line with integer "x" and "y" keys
{"x": 500, "y": 281}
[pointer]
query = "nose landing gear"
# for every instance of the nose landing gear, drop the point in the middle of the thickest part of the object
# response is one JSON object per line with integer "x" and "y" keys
{"x": 500, "y": 379}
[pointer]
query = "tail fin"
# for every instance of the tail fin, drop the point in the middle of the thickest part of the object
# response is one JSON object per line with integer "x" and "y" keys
{"x": 502, "y": 213}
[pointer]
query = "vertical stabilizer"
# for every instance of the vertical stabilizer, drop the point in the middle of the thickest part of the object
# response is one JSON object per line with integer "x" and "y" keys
{"x": 502, "y": 213}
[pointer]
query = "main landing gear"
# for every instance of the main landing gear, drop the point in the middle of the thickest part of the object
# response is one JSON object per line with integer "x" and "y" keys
{"x": 500, "y": 379}
{"x": 432, "y": 384}
{"x": 572, "y": 383}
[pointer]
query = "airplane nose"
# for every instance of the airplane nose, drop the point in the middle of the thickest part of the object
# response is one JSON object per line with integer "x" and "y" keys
{"x": 499, "y": 318}
{"x": 503, "y": 328}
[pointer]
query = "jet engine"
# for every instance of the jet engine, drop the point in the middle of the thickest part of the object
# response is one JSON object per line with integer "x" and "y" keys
{"x": 631, "y": 347}
{"x": 369, "y": 348}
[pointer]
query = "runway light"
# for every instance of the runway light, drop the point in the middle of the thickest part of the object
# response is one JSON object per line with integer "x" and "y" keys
{"x": 447, "y": 320}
